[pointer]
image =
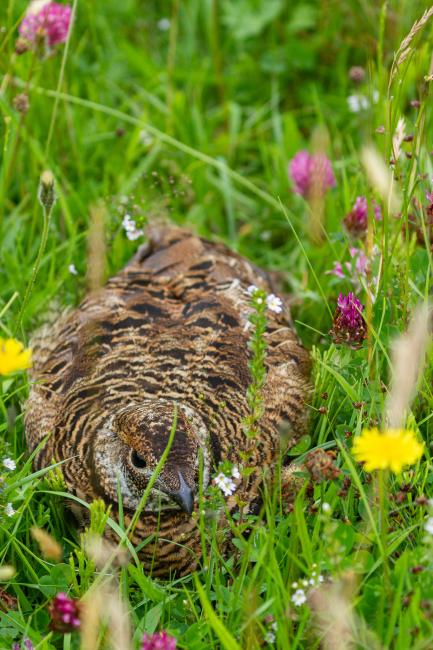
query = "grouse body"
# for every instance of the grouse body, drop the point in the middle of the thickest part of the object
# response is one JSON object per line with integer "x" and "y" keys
{"x": 166, "y": 340}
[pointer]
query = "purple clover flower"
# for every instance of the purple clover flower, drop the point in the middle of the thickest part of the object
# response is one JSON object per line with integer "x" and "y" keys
{"x": 27, "y": 644}
{"x": 377, "y": 211}
{"x": 49, "y": 20}
{"x": 65, "y": 613}
{"x": 158, "y": 641}
{"x": 348, "y": 324}
{"x": 356, "y": 221}
{"x": 311, "y": 174}
{"x": 337, "y": 270}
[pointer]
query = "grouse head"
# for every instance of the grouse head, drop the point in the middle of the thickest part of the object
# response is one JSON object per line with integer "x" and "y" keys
{"x": 130, "y": 448}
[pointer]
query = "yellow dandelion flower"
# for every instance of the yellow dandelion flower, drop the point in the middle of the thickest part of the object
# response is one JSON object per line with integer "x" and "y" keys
{"x": 391, "y": 449}
{"x": 13, "y": 356}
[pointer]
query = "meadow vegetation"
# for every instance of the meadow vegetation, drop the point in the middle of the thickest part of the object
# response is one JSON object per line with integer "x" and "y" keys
{"x": 195, "y": 112}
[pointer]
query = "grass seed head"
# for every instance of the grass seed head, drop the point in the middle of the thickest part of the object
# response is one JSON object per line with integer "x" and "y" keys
{"x": 408, "y": 353}
{"x": 50, "y": 548}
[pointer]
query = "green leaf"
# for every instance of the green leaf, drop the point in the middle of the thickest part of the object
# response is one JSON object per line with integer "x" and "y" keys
{"x": 227, "y": 640}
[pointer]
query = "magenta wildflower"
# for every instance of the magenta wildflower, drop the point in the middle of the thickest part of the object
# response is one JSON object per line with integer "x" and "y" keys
{"x": 348, "y": 324}
{"x": 28, "y": 645}
{"x": 377, "y": 211}
{"x": 311, "y": 174}
{"x": 65, "y": 613}
{"x": 337, "y": 270}
{"x": 158, "y": 641}
{"x": 362, "y": 263}
{"x": 46, "y": 20}
{"x": 356, "y": 221}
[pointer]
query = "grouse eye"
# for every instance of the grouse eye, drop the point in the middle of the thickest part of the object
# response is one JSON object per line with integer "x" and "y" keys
{"x": 137, "y": 460}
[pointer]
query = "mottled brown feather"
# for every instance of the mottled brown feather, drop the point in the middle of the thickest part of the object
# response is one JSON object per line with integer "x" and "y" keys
{"x": 170, "y": 328}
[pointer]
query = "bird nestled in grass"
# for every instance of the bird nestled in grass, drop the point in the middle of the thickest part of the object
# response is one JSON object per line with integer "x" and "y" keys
{"x": 166, "y": 343}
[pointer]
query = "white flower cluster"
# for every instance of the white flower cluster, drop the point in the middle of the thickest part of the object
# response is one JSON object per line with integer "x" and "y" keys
{"x": 130, "y": 227}
{"x": 9, "y": 510}
{"x": 163, "y": 24}
{"x": 226, "y": 483}
{"x": 273, "y": 303}
{"x": 428, "y": 526}
{"x": 358, "y": 102}
{"x": 299, "y": 597}
{"x": 9, "y": 464}
{"x": 270, "y": 634}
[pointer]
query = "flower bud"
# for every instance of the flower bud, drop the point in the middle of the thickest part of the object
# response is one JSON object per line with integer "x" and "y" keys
{"x": 47, "y": 194}
{"x": 21, "y": 103}
{"x": 21, "y": 46}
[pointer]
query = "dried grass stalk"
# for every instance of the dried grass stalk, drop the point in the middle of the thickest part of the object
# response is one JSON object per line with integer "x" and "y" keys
{"x": 96, "y": 247}
{"x": 333, "y": 615}
{"x": 380, "y": 178}
{"x": 317, "y": 189}
{"x": 104, "y": 605}
{"x": 50, "y": 548}
{"x": 103, "y": 552}
{"x": 404, "y": 48}
{"x": 6, "y": 572}
{"x": 92, "y": 609}
{"x": 408, "y": 353}
{"x": 397, "y": 138}
{"x": 118, "y": 621}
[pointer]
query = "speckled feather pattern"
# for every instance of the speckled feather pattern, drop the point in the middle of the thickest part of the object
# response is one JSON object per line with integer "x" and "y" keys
{"x": 169, "y": 329}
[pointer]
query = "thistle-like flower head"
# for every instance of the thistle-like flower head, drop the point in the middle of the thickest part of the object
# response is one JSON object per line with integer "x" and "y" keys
{"x": 348, "y": 325}
{"x": 46, "y": 20}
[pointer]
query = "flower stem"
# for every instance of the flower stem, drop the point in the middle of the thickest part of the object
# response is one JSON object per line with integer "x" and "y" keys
{"x": 383, "y": 531}
{"x": 47, "y": 218}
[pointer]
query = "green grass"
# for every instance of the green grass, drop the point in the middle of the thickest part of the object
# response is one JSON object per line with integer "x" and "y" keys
{"x": 197, "y": 124}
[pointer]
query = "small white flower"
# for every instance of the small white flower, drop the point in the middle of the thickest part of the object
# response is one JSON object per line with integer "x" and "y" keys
{"x": 430, "y": 503}
{"x": 312, "y": 582}
{"x": 357, "y": 103}
{"x": 225, "y": 484}
{"x": 9, "y": 463}
{"x": 295, "y": 585}
{"x": 305, "y": 583}
{"x": 269, "y": 637}
{"x": 124, "y": 199}
{"x": 131, "y": 230}
{"x": 235, "y": 472}
{"x": 274, "y": 303}
{"x": 259, "y": 301}
{"x": 9, "y": 510}
{"x": 252, "y": 289}
{"x": 146, "y": 138}
{"x": 299, "y": 597}
{"x": 274, "y": 626}
{"x": 134, "y": 234}
{"x": 320, "y": 578}
{"x": 313, "y": 574}
{"x": 163, "y": 24}
{"x": 72, "y": 270}
{"x": 326, "y": 507}
{"x": 428, "y": 526}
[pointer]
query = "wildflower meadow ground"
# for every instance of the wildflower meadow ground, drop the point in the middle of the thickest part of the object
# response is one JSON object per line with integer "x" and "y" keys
{"x": 300, "y": 134}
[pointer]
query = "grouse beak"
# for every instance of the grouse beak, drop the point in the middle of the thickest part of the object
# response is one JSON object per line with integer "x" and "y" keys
{"x": 184, "y": 495}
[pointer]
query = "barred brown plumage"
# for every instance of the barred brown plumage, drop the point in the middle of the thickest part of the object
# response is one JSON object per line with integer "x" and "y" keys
{"x": 169, "y": 329}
